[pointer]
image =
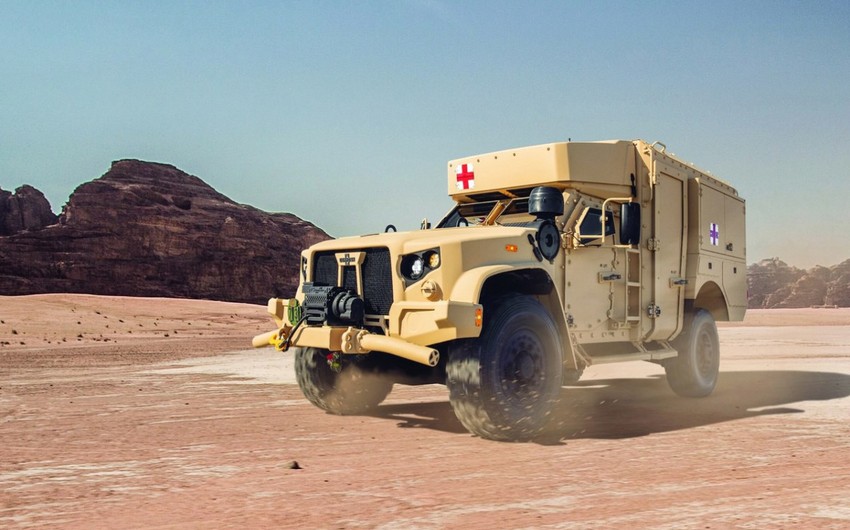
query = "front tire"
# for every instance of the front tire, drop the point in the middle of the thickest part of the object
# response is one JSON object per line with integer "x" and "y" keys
{"x": 505, "y": 384}
{"x": 353, "y": 390}
{"x": 694, "y": 372}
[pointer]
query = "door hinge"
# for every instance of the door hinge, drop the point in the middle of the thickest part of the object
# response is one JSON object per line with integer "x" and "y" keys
{"x": 653, "y": 311}
{"x": 653, "y": 244}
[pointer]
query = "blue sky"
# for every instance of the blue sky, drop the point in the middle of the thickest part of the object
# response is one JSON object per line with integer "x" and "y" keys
{"x": 345, "y": 113}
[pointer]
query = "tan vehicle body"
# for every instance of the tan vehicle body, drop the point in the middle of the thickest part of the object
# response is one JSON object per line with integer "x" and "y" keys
{"x": 609, "y": 301}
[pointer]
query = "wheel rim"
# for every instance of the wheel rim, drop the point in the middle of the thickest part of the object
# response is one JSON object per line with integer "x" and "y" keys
{"x": 522, "y": 368}
{"x": 706, "y": 358}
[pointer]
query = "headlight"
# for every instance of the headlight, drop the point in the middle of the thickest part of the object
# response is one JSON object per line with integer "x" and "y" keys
{"x": 415, "y": 266}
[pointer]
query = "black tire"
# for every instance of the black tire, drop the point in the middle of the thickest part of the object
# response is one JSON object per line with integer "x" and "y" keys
{"x": 694, "y": 372}
{"x": 353, "y": 390}
{"x": 505, "y": 384}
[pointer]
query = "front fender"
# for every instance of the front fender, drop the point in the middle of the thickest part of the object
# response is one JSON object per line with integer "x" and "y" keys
{"x": 468, "y": 286}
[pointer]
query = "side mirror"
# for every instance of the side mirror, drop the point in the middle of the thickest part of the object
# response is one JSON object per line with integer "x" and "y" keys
{"x": 630, "y": 223}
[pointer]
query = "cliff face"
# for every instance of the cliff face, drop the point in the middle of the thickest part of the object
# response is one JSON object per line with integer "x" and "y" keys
{"x": 149, "y": 229}
{"x": 774, "y": 284}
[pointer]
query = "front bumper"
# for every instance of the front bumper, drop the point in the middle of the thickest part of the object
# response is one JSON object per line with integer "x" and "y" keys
{"x": 412, "y": 329}
{"x": 358, "y": 341}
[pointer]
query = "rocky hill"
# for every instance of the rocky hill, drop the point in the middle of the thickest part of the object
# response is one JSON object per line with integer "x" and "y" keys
{"x": 26, "y": 209}
{"x": 149, "y": 229}
{"x": 774, "y": 284}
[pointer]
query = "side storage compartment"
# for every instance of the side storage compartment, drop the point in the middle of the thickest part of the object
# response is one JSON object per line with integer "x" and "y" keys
{"x": 717, "y": 270}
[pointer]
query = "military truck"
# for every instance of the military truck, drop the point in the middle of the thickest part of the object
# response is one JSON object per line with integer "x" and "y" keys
{"x": 554, "y": 257}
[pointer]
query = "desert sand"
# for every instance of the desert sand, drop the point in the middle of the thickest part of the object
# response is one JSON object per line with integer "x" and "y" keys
{"x": 153, "y": 413}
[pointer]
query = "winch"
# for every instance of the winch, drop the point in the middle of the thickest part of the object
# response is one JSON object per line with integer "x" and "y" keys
{"x": 334, "y": 306}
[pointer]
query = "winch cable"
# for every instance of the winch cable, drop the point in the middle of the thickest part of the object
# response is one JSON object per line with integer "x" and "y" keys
{"x": 285, "y": 344}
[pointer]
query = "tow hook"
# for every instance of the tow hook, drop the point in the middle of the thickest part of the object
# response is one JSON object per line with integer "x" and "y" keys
{"x": 335, "y": 361}
{"x": 277, "y": 340}
{"x": 280, "y": 340}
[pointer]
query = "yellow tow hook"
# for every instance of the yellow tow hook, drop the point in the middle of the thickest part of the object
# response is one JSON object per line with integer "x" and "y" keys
{"x": 283, "y": 338}
{"x": 280, "y": 340}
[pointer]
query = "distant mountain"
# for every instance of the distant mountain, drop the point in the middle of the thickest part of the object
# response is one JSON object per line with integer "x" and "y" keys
{"x": 149, "y": 229}
{"x": 774, "y": 284}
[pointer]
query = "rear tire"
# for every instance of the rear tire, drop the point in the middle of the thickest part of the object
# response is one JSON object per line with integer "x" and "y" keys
{"x": 694, "y": 372}
{"x": 353, "y": 390}
{"x": 505, "y": 384}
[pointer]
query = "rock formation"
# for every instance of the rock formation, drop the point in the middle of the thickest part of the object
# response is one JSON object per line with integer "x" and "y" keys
{"x": 26, "y": 209}
{"x": 149, "y": 229}
{"x": 774, "y": 284}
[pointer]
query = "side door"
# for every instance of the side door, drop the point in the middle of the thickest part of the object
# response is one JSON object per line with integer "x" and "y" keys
{"x": 664, "y": 294}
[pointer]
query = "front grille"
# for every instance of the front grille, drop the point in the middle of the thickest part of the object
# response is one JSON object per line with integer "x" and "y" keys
{"x": 349, "y": 278}
{"x": 377, "y": 277}
{"x": 325, "y": 268}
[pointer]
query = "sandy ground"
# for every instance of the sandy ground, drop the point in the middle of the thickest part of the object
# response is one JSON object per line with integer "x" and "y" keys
{"x": 150, "y": 413}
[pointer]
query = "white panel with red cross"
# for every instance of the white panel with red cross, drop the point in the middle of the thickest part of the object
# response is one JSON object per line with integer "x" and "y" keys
{"x": 465, "y": 177}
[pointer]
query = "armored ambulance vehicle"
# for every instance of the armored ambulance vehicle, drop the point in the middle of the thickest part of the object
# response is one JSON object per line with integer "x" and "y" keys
{"x": 554, "y": 257}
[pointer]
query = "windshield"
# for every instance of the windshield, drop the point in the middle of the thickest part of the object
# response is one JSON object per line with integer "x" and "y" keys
{"x": 474, "y": 213}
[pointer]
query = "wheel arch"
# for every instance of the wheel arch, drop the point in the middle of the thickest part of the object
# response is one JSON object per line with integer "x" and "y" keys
{"x": 712, "y": 299}
{"x": 533, "y": 281}
{"x": 477, "y": 285}
{"x": 530, "y": 281}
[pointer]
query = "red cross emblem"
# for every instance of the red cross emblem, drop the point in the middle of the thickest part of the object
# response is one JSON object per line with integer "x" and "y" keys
{"x": 465, "y": 177}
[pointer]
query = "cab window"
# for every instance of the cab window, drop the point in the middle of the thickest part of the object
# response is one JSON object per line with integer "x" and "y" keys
{"x": 590, "y": 226}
